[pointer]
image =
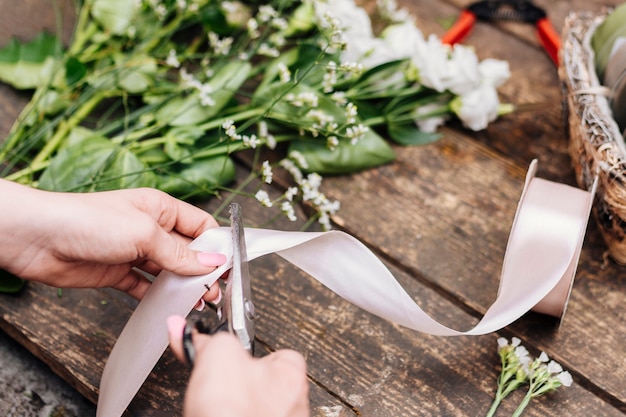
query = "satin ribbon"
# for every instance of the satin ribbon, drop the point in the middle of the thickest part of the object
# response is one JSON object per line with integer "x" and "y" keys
{"x": 538, "y": 271}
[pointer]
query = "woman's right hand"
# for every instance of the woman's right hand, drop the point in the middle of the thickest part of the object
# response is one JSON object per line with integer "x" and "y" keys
{"x": 227, "y": 382}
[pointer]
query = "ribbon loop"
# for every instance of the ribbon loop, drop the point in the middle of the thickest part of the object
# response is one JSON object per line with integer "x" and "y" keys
{"x": 538, "y": 271}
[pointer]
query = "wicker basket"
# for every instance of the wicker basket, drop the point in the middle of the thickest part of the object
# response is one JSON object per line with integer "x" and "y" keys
{"x": 596, "y": 144}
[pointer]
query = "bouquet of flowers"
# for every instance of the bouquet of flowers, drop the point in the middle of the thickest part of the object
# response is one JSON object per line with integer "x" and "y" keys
{"x": 163, "y": 93}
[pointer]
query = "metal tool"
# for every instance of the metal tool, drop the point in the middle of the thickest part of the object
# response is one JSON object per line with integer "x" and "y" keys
{"x": 503, "y": 10}
{"x": 236, "y": 313}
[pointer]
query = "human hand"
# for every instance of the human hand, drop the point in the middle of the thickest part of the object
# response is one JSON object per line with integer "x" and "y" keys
{"x": 98, "y": 239}
{"x": 227, "y": 382}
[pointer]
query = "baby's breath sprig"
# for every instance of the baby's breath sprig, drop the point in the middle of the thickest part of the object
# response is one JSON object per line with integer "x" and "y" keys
{"x": 518, "y": 368}
{"x": 544, "y": 375}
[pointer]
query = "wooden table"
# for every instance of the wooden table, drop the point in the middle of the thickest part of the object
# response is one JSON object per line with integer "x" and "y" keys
{"x": 439, "y": 217}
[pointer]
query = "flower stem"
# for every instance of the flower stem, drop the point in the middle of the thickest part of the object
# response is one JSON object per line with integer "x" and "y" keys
{"x": 496, "y": 403}
{"x": 66, "y": 126}
{"x": 520, "y": 409}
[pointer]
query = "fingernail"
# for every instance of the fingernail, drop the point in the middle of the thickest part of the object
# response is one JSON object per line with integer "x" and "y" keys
{"x": 218, "y": 298}
{"x": 175, "y": 326}
{"x": 200, "y": 305}
{"x": 211, "y": 259}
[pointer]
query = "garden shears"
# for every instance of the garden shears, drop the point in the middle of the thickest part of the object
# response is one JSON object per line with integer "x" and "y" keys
{"x": 506, "y": 10}
{"x": 236, "y": 313}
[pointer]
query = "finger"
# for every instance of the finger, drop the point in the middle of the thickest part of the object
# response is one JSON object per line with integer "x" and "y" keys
{"x": 183, "y": 217}
{"x": 175, "y": 327}
{"x": 134, "y": 283}
{"x": 173, "y": 255}
{"x": 214, "y": 294}
{"x": 288, "y": 358}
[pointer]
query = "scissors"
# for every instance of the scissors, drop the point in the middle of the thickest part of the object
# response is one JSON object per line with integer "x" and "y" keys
{"x": 236, "y": 313}
{"x": 506, "y": 10}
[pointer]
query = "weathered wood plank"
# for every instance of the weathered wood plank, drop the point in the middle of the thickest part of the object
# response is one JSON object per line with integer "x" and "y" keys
{"x": 441, "y": 214}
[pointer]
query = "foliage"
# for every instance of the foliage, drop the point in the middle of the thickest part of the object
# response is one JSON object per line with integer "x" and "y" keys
{"x": 163, "y": 93}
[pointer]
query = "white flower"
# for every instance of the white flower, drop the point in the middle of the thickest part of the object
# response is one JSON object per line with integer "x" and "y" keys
{"x": 266, "y": 50}
{"x": 502, "y": 343}
{"x": 425, "y": 121}
{"x": 291, "y": 193}
{"x": 205, "y": 95}
{"x": 332, "y": 142}
{"x": 263, "y": 198}
{"x": 430, "y": 124}
{"x": 284, "y": 73}
{"x": 220, "y": 46}
{"x": 266, "y": 172}
{"x": 172, "y": 59}
{"x": 266, "y": 13}
{"x": 477, "y": 108}
{"x": 554, "y": 367}
{"x": 402, "y": 39}
{"x": 356, "y": 31}
{"x": 299, "y": 159}
{"x": 494, "y": 71}
{"x": 389, "y": 10}
{"x": 236, "y": 13}
{"x": 289, "y": 211}
{"x": 565, "y": 378}
{"x": 291, "y": 167}
{"x": 251, "y": 141}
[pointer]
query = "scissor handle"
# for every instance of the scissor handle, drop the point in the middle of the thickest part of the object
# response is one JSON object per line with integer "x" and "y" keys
{"x": 461, "y": 28}
{"x": 549, "y": 38}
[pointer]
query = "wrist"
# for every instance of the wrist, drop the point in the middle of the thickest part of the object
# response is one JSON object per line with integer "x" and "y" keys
{"x": 20, "y": 212}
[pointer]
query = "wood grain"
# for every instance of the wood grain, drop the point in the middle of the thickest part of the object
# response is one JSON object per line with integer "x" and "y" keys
{"x": 439, "y": 216}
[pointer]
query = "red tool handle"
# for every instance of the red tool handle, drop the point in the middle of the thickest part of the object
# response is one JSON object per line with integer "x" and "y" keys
{"x": 549, "y": 38}
{"x": 460, "y": 29}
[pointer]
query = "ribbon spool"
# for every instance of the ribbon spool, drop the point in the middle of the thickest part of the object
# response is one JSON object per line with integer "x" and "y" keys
{"x": 538, "y": 272}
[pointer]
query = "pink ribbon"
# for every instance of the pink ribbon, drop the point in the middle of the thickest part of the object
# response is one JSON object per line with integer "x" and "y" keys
{"x": 538, "y": 272}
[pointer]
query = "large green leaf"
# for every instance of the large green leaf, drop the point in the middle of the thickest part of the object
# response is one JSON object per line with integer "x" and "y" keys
{"x": 115, "y": 16}
{"x": 200, "y": 178}
{"x": 9, "y": 283}
{"x": 95, "y": 164}
{"x": 368, "y": 152}
{"x": 28, "y": 65}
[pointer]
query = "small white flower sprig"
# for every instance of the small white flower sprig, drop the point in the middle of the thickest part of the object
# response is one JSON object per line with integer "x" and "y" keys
{"x": 518, "y": 368}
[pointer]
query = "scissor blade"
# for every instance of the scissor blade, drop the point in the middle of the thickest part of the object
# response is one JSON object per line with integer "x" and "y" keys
{"x": 241, "y": 308}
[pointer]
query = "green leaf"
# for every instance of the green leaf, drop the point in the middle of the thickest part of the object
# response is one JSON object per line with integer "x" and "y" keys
{"x": 52, "y": 103}
{"x": 409, "y": 134}
{"x": 605, "y": 35}
{"x": 137, "y": 74}
{"x": 95, "y": 164}
{"x": 9, "y": 283}
{"x": 368, "y": 152}
{"x": 381, "y": 80}
{"x": 28, "y": 65}
{"x": 184, "y": 111}
{"x": 74, "y": 71}
{"x": 200, "y": 179}
{"x": 115, "y": 16}
{"x": 294, "y": 116}
{"x": 214, "y": 20}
